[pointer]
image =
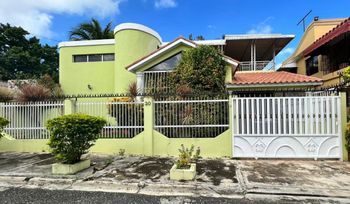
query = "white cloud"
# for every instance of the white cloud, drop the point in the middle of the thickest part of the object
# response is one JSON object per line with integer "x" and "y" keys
{"x": 262, "y": 28}
{"x": 36, "y": 15}
{"x": 165, "y": 3}
{"x": 211, "y": 26}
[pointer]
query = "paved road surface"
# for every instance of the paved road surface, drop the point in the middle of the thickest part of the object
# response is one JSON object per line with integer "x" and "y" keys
{"x": 21, "y": 195}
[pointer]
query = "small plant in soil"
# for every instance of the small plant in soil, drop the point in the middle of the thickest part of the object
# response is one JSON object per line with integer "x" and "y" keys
{"x": 121, "y": 152}
{"x": 3, "y": 122}
{"x": 186, "y": 157}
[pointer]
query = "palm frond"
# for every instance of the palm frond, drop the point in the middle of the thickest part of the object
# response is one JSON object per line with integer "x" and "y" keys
{"x": 91, "y": 30}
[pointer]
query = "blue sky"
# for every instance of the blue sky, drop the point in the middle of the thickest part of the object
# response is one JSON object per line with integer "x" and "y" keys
{"x": 51, "y": 20}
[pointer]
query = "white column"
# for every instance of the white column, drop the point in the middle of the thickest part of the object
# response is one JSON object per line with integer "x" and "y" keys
{"x": 140, "y": 82}
{"x": 251, "y": 56}
{"x": 273, "y": 59}
{"x": 254, "y": 56}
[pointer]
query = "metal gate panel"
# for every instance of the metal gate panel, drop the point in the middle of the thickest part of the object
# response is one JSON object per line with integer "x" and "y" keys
{"x": 287, "y": 127}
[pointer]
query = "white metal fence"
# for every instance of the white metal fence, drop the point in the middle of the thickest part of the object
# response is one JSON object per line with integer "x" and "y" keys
{"x": 192, "y": 118}
{"x": 28, "y": 120}
{"x": 287, "y": 126}
{"x": 124, "y": 119}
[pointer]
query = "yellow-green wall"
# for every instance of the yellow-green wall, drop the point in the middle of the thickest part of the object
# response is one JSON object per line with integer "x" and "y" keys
{"x": 149, "y": 142}
{"x": 75, "y": 77}
{"x": 131, "y": 45}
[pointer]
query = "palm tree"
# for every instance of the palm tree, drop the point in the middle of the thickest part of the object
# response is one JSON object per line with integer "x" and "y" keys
{"x": 91, "y": 31}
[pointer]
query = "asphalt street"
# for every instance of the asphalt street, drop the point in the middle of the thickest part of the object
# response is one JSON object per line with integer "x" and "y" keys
{"x": 22, "y": 195}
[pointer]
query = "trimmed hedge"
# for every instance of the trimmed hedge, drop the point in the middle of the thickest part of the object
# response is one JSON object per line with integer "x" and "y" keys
{"x": 72, "y": 135}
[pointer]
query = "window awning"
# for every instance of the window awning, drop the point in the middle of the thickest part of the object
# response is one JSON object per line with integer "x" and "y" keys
{"x": 342, "y": 28}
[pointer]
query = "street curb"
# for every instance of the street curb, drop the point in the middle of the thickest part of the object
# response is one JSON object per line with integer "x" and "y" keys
{"x": 117, "y": 187}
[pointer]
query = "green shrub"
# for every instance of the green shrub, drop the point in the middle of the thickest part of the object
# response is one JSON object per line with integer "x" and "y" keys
{"x": 3, "y": 123}
{"x": 347, "y": 137}
{"x": 346, "y": 75}
{"x": 73, "y": 135}
{"x": 186, "y": 157}
{"x": 201, "y": 69}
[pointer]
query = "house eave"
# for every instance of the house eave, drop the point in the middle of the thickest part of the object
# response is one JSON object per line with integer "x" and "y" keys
{"x": 86, "y": 43}
{"x": 134, "y": 67}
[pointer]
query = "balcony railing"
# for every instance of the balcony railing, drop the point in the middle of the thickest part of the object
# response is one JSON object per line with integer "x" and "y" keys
{"x": 259, "y": 65}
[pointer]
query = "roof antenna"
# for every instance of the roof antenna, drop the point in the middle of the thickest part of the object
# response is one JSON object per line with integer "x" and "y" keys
{"x": 303, "y": 19}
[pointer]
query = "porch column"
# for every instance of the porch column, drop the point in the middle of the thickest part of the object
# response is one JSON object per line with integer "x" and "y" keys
{"x": 273, "y": 58}
{"x": 254, "y": 60}
{"x": 253, "y": 56}
{"x": 140, "y": 82}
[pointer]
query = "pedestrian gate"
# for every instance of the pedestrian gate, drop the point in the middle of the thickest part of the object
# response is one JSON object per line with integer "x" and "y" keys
{"x": 287, "y": 127}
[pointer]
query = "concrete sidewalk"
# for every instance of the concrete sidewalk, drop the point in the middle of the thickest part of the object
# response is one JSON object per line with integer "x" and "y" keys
{"x": 275, "y": 180}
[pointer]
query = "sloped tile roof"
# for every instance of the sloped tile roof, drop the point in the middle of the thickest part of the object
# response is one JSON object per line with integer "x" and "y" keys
{"x": 271, "y": 77}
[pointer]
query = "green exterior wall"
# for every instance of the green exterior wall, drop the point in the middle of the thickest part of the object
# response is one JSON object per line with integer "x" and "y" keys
{"x": 219, "y": 146}
{"x": 131, "y": 45}
{"x": 75, "y": 77}
{"x": 8, "y": 144}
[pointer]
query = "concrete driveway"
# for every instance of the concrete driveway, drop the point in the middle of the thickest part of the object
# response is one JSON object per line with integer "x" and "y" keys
{"x": 297, "y": 177}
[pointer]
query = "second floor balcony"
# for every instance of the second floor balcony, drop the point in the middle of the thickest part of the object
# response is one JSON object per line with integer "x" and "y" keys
{"x": 256, "y": 65}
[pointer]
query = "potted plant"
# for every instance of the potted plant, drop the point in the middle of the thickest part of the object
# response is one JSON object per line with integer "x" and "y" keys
{"x": 71, "y": 136}
{"x": 185, "y": 166}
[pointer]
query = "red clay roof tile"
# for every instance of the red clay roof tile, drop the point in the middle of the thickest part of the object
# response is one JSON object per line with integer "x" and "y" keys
{"x": 262, "y": 77}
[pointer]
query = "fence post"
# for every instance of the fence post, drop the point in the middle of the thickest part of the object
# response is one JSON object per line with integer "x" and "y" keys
{"x": 148, "y": 126}
{"x": 69, "y": 106}
{"x": 343, "y": 124}
{"x": 231, "y": 109}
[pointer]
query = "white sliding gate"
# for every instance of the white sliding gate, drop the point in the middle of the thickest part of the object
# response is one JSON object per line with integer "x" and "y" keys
{"x": 287, "y": 127}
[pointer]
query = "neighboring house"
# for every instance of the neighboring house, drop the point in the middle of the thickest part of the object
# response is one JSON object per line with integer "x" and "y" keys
{"x": 138, "y": 54}
{"x": 323, "y": 52}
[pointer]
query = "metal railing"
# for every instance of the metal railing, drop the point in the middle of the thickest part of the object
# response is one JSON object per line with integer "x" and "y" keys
{"x": 28, "y": 120}
{"x": 308, "y": 115}
{"x": 124, "y": 119}
{"x": 192, "y": 118}
{"x": 156, "y": 81}
{"x": 259, "y": 65}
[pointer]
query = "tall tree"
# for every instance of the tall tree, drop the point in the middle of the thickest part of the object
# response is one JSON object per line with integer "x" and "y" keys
{"x": 91, "y": 31}
{"x": 23, "y": 57}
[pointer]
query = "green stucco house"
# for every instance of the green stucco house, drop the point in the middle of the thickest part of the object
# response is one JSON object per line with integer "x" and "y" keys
{"x": 138, "y": 54}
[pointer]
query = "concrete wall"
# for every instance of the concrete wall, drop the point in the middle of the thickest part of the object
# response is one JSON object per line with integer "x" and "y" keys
{"x": 149, "y": 142}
